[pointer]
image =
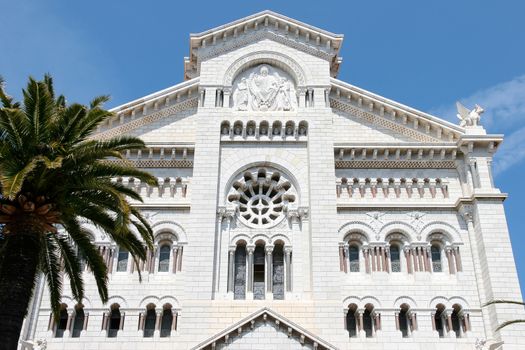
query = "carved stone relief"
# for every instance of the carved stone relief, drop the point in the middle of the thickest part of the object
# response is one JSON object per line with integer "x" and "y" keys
{"x": 264, "y": 88}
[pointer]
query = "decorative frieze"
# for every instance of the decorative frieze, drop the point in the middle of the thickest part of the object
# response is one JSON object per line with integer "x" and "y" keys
{"x": 391, "y": 188}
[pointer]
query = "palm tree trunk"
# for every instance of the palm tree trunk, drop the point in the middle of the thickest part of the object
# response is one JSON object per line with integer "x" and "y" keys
{"x": 17, "y": 281}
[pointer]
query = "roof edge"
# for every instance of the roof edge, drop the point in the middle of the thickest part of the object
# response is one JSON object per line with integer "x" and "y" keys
{"x": 267, "y": 13}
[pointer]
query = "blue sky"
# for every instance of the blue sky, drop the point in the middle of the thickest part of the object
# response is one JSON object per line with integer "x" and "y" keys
{"x": 421, "y": 53}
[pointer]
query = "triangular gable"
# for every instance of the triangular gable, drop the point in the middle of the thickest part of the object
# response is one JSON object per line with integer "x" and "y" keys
{"x": 151, "y": 108}
{"x": 265, "y": 24}
{"x": 375, "y": 109}
{"x": 264, "y": 317}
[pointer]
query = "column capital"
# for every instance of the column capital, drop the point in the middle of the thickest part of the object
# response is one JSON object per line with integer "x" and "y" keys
{"x": 250, "y": 249}
{"x": 269, "y": 248}
{"x": 287, "y": 249}
{"x": 232, "y": 249}
{"x": 467, "y": 213}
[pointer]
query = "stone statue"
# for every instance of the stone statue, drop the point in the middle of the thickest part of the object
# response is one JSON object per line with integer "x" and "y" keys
{"x": 262, "y": 91}
{"x": 469, "y": 117}
{"x": 489, "y": 344}
{"x": 38, "y": 344}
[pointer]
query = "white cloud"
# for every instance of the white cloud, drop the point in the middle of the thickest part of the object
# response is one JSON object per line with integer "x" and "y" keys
{"x": 504, "y": 106}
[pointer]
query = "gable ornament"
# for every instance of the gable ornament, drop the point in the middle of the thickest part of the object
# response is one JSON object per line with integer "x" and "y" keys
{"x": 264, "y": 89}
{"x": 468, "y": 117}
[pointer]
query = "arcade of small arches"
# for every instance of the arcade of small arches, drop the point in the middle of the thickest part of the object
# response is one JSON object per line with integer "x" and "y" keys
{"x": 152, "y": 321}
{"x": 363, "y": 320}
{"x": 165, "y": 257}
{"x": 398, "y": 255}
{"x": 260, "y": 271}
{"x": 278, "y": 130}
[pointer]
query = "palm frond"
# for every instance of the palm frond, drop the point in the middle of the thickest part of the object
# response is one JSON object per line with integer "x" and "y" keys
{"x": 50, "y": 266}
{"x": 71, "y": 266}
{"x": 92, "y": 257}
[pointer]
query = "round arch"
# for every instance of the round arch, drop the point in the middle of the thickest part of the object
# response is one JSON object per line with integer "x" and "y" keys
{"x": 272, "y": 58}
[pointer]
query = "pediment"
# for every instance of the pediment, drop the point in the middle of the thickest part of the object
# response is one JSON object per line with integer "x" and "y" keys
{"x": 150, "y": 109}
{"x": 263, "y": 25}
{"x": 409, "y": 123}
{"x": 262, "y": 325}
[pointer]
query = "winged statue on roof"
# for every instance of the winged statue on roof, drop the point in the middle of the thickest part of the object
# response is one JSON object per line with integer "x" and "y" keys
{"x": 469, "y": 117}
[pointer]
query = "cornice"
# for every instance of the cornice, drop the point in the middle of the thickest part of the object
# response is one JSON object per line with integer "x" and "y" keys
{"x": 272, "y": 25}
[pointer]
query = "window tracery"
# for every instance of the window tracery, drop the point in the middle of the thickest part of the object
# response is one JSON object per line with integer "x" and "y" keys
{"x": 262, "y": 196}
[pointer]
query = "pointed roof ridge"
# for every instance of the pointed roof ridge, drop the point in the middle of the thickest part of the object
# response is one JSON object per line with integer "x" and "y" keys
{"x": 265, "y": 311}
{"x": 262, "y": 14}
{"x": 319, "y": 41}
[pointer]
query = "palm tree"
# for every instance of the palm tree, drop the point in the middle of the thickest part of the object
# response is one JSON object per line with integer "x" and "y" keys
{"x": 506, "y": 323}
{"x": 53, "y": 177}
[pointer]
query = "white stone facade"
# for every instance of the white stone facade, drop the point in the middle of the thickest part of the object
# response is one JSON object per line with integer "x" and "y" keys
{"x": 297, "y": 211}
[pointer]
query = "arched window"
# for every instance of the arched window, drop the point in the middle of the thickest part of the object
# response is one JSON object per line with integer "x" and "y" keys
{"x": 439, "y": 320}
{"x": 239, "y": 278}
{"x": 149, "y": 323}
{"x": 259, "y": 259}
{"x": 122, "y": 260}
{"x": 368, "y": 322}
{"x": 353, "y": 256}
{"x": 167, "y": 322}
{"x": 164, "y": 258}
{"x": 435, "y": 252}
{"x": 114, "y": 322}
{"x": 404, "y": 322}
{"x": 62, "y": 322}
{"x": 78, "y": 322}
{"x": 278, "y": 272}
{"x": 351, "y": 321}
{"x": 395, "y": 258}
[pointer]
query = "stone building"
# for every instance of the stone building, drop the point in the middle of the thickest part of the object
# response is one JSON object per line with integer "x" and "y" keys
{"x": 297, "y": 211}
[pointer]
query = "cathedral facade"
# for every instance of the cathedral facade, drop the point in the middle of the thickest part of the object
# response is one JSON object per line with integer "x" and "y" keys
{"x": 297, "y": 211}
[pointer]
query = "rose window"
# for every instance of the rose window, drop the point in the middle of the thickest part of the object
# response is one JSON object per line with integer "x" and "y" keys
{"x": 262, "y": 197}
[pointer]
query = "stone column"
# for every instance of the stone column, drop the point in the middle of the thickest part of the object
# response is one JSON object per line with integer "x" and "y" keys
{"x": 250, "y": 250}
{"x": 175, "y": 315}
{"x": 231, "y": 269}
{"x": 85, "y": 324}
{"x": 269, "y": 271}
{"x": 157, "y": 324}
{"x": 457, "y": 258}
{"x": 448, "y": 319}
{"x": 111, "y": 258}
{"x": 450, "y": 261}
{"x": 373, "y": 258}
{"x": 408, "y": 259}
{"x": 122, "y": 318}
{"x": 288, "y": 268}
{"x": 433, "y": 318}
{"x": 175, "y": 255}
{"x": 227, "y": 90}
{"x": 386, "y": 251}
{"x": 142, "y": 316}
{"x": 361, "y": 332}
{"x": 366, "y": 254}
{"x": 342, "y": 262}
{"x": 216, "y": 261}
{"x": 345, "y": 314}
{"x": 67, "y": 332}
{"x": 414, "y": 259}
{"x": 413, "y": 321}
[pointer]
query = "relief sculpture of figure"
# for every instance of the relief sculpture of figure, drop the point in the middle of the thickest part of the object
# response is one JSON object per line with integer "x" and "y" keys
{"x": 263, "y": 91}
{"x": 240, "y": 95}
